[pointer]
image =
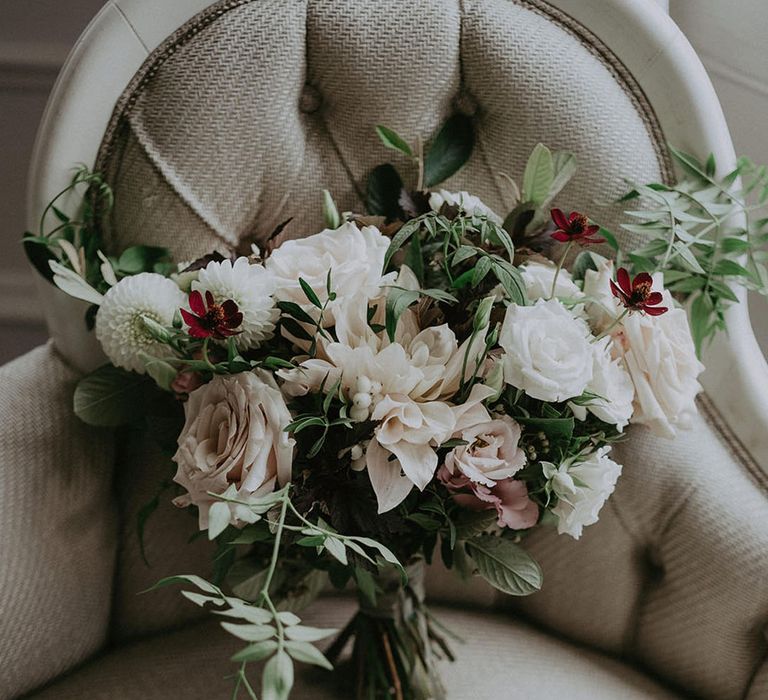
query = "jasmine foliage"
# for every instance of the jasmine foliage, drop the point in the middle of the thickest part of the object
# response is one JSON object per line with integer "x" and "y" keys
{"x": 706, "y": 235}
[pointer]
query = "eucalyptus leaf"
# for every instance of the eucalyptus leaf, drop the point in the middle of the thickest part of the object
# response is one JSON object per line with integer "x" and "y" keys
{"x": 308, "y": 654}
{"x": 256, "y": 652}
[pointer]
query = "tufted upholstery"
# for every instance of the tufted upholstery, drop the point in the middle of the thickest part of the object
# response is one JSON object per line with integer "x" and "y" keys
{"x": 235, "y": 123}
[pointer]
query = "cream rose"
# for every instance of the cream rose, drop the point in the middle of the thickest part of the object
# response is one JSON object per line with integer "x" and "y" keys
{"x": 661, "y": 359}
{"x": 538, "y": 278}
{"x": 547, "y": 351}
{"x": 233, "y": 436}
{"x": 354, "y": 257}
{"x": 491, "y": 453}
{"x": 582, "y": 487}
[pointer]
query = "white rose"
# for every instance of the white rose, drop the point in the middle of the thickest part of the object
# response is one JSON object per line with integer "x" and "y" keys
{"x": 582, "y": 487}
{"x": 538, "y": 279}
{"x": 354, "y": 257}
{"x": 547, "y": 352}
{"x": 468, "y": 203}
{"x": 612, "y": 383}
{"x": 233, "y": 436}
{"x": 661, "y": 359}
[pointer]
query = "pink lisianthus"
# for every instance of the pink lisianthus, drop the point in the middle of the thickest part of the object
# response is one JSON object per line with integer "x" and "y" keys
{"x": 509, "y": 497}
{"x": 186, "y": 382}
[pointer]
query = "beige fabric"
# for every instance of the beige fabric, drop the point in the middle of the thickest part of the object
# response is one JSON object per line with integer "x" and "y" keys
{"x": 246, "y": 113}
{"x": 674, "y": 574}
{"x": 234, "y": 125}
{"x": 500, "y": 658}
{"x": 57, "y": 525}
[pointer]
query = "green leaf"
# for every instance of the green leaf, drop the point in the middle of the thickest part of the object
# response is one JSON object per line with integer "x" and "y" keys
{"x": 300, "y": 633}
{"x": 383, "y": 192}
{"x": 586, "y": 260}
{"x": 730, "y": 268}
{"x": 256, "y": 652}
{"x": 110, "y": 397}
{"x": 330, "y": 211}
{"x": 391, "y": 139}
{"x": 506, "y": 566}
{"x": 310, "y": 293}
{"x": 701, "y": 325}
{"x": 538, "y": 176}
{"x": 556, "y": 429}
{"x": 140, "y": 258}
{"x": 450, "y": 150}
{"x": 295, "y": 311}
{"x": 249, "y": 632}
{"x": 610, "y": 239}
{"x": 472, "y": 523}
{"x": 277, "y": 677}
{"x": 401, "y": 237}
{"x": 336, "y": 549}
{"x": 398, "y": 300}
{"x": 197, "y": 581}
{"x": 308, "y": 654}
{"x": 39, "y": 255}
{"x": 366, "y": 584}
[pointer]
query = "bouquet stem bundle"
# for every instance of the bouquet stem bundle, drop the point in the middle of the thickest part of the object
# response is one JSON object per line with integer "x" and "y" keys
{"x": 396, "y": 642}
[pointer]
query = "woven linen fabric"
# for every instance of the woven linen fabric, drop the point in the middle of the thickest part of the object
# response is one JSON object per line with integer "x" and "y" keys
{"x": 499, "y": 658}
{"x": 57, "y": 525}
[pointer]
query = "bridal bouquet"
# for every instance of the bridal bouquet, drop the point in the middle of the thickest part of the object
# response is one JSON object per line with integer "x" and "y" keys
{"x": 425, "y": 377}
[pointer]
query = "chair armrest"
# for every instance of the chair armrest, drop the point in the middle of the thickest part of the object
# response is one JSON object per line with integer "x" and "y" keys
{"x": 57, "y": 525}
{"x": 673, "y": 576}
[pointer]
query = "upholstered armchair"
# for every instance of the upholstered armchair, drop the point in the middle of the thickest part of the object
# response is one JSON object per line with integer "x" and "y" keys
{"x": 214, "y": 124}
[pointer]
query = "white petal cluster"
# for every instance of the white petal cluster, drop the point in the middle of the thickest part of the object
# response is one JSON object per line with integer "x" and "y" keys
{"x": 468, "y": 203}
{"x": 582, "y": 488}
{"x": 119, "y": 325}
{"x": 547, "y": 351}
{"x": 353, "y": 256}
{"x": 251, "y": 288}
{"x": 538, "y": 278}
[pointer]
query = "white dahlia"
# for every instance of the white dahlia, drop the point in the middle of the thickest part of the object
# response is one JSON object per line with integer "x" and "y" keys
{"x": 119, "y": 325}
{"x": 251, "y": 288}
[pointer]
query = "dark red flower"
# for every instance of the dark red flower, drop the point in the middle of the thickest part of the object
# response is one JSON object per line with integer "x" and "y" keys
{"x": 637, "y": 294}
{"x": 211, "y": 320}
{"x": 574, "y": 227}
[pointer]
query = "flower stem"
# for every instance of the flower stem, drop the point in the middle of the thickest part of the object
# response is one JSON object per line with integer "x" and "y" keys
{"x": 616, "y": 322}
{"x": 560, "y": 267}
{"x": 420, "y": 163}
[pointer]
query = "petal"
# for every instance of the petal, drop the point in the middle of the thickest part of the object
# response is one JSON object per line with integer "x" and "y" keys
{"x": 196, "y": 303}
{"x": 390, "y": 487}
{"x": 654, "y": 298}
{"x": 209, "y": 300}
{"x": 642, "y": 278}
{"x": 617, "y": 292}
{"x": 622, "y": 277}
{"x": 235, "y": 320}
{"x": 189, "y": 319}
{"x": 229, "y": 307}
{"x": 419, "y": 462}
{"x": 561, "y": 236}
{"x": 655, "y": 310}
{"x": 559, "y": 218}
{"x": 591, "y": 230}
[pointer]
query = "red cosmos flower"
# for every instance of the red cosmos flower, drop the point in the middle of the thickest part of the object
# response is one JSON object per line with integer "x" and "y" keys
{"x": 211, "y": 320}
{"x": 575, "y": 227}
{"x": 636, "y": 294}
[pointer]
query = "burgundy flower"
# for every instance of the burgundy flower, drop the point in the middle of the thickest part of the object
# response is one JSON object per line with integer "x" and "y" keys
{"x": 211, "y": 320}
{"x": 637, "y": 294}
{"x": 575, "y": 227}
